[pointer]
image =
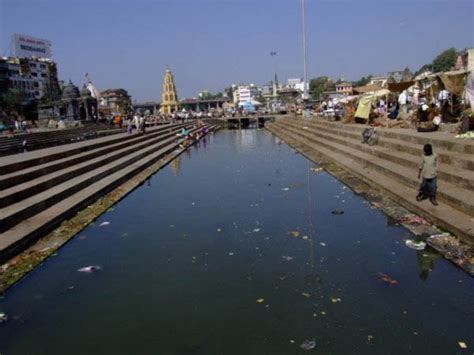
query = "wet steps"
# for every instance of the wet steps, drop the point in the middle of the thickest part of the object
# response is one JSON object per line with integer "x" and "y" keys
{"x": 394, "y": 170}
{"x": 33, "y": 208}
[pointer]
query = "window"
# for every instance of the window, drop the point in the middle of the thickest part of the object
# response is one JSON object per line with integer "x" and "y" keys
{"x": 34, "y": 74}
{"x": 43, "y": 75}
{"x": 36, "y": 85}
{"x": 42, "y": 66}
{"x": 33, "y": 65}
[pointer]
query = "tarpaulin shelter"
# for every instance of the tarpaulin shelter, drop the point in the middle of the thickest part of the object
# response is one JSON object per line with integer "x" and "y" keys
{"x": 454, "y": 81}
{"x": 364, "y": 107}
{"x": 399, "y": 87}
{"x": 367, "y": 88}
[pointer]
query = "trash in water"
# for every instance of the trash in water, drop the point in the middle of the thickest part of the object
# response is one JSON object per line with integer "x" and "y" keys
{"x": 305, "y": 237}
{"x": 171, "y": 225}
{"x": 286, "y": 189}
{"x": 385, "y": 278}
{"x": 260, "y": 300}
{"x": 287, "y": 258}
{"x": 322, "y": 244}
{"x": 335, "y": 300}
{"x": 256, "y": 230}
{"x": 3, "y": 317}
{"x": 231, "y": 253}
{"x": 295, "y": 234}
{"x": 306, "y": 294}
{"x": 413, "y": 244}
{"x": 462, "y": 345}
{"x": 219, "y": 230}
{"x": 104, "y": 224}
{"x": 413, "y": 220}
{"x": 316, "y": 170}
{"x": 91, "y": 268}
{"x": 337, "y": 212}
{"x": 308, "y": 344}
{"x": 370, "y": 337}
{"x": 292, "y": 341}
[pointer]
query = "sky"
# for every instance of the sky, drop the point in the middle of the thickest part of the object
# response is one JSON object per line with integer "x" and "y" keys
{"x": 211, "y": 44}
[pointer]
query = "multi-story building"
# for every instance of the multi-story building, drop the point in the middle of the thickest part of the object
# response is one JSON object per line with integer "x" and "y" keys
{"x": 116, "y": 101}
{"x": 344, "y": 88}
{"x": 245, "y": 93}
{"x": 36, "y": 77}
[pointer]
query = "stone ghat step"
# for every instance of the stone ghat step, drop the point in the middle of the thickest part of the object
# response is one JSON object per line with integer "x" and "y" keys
{"x": 443, "y": 215}
{"x": 457, "y": 176}
{"x": 15, "y": 213}
{"x": 461, "y": 199}
{"x": 100, "y": 157}
{"x": 39, "y": 140}
{"x": 456, "y": 159}
{"x": 31, "y": 229}
{"x": 13, "y": 163}
{"x": 36, "y": 171}
{"x": 442, "y": 140}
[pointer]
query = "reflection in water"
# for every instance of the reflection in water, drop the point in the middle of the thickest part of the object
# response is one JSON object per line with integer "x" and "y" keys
{"x": 175, "y": 165}
{"x": 425, "y": 259}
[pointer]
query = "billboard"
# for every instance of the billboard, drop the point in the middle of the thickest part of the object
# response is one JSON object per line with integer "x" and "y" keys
{"x": 27, "y": 46}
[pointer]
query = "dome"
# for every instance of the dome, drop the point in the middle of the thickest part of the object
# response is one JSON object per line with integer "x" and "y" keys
{"x": 70, "y": 91}
{"x": 85, "y": 91}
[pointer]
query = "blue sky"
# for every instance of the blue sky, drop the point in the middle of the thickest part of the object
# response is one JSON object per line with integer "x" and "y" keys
{"x": 210, "y": 44}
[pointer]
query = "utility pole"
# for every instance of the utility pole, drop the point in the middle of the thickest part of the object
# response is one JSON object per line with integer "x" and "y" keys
{"x": 305, "y": 88}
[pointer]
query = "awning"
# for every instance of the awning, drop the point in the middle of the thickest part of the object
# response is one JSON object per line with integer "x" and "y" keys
{"x": 399, "y": 87}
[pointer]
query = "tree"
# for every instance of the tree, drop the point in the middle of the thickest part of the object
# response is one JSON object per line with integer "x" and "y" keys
{"x": 229, "y": 92}
{"x": 318, "y": 85}
{"x": 362, "y": 81}
{"x": 445, "y": 61}
{"x": 14, "y": 99}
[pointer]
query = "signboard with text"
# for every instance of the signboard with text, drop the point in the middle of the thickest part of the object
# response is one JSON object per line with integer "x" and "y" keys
{"x": 27, "y": 46}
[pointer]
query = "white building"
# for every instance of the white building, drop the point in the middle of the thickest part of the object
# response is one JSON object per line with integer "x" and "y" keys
{"x": 245, "y": 93}
{"x": 37, "y": 77}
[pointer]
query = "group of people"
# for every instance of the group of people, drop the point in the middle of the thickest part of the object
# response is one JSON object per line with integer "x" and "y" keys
{"x": 12, "y": 123}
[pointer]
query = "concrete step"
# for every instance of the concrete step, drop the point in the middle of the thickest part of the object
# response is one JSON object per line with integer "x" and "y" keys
{"x": 460, "y": 177}
{"x": 31, "y": 229}
{"x": 9, "y": 164}
{"x": 24, "y": 175}
{"x": 458, "y": 198}
{"x": 75, "y": 167}
{"x": 441, "y": 140}
{"x": 24, "y": 209}
{"x": 443, "y": 215}
{"x": 456, "y": 159}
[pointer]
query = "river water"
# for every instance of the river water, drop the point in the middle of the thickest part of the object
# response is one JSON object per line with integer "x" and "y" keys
{"x": 233, "y": 249}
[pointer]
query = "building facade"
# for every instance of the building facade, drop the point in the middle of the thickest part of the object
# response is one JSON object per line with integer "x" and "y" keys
{"x": 36, "y": 77}
{"x": 169, "y": 103}
{"x": 344, "y": 88}
{"x": 245, "y": 93}
{"x": 116, "y": 101}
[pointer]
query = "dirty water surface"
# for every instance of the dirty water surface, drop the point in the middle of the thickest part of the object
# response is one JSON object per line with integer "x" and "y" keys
{"x": 240, "y": 247}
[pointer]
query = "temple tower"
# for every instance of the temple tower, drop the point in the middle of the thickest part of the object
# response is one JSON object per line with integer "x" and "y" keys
{"x": 169, "y": 99}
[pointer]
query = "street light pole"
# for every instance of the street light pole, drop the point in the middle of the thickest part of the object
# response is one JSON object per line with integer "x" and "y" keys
{"x": 305, "y": 84}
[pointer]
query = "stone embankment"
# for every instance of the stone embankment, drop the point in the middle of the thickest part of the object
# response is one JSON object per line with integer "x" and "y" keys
{"x": 392, "y": 165}
{"x": 40, "y": 189}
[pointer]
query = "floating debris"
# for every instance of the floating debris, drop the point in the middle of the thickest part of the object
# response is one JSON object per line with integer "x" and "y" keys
{"x": 337, "y": 212}
{"x": 316, "y": 170}
{"x": 295, "y": 234}
{"x": 287, "y": 258}
{"x": 305, "y": 237}
{"x": 261, "y": 300}
{"x": 231, "y": 253}
{"x": 104, "y": 224}
{"x": 308, "y": 344}
{"x": 3, "y": 317}
{"x": 322, "y": 244}
{"x": 385, "y": 278}
{"x": 462, "y": 345}
{"x": 336, "y": 300}
{"x": 256, "y": 230}
{"x": 413, "y": 244}
{"x": 306, "y": 294}
{"x": 219, "y": 230}
{"x": 286, "y": 189}
{"x": 412, "y": 219}
{"x": 459, "y": 253}
{"x": 89, "y": 269}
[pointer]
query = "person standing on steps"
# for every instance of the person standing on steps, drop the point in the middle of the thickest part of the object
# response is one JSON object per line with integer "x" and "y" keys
{"x": 428, "y": 172}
